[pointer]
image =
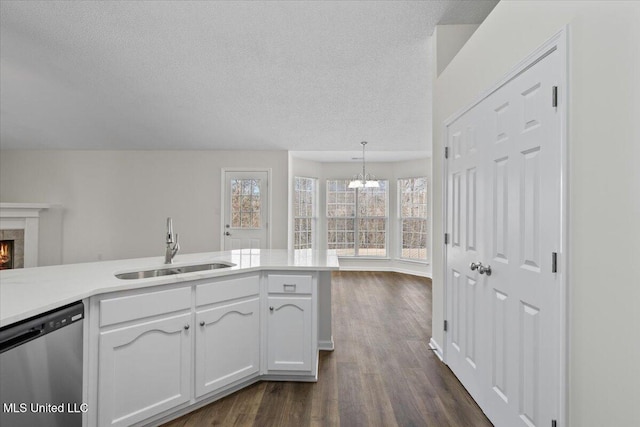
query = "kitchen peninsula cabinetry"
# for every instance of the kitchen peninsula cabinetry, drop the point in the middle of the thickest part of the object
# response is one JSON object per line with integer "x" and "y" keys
{"x": 228, "y": 333}
{"x": 163, "y": 348}
{"x": 157, "y": 347}
{"x": 144, "y": 355}
{"x": 291, "y": 320}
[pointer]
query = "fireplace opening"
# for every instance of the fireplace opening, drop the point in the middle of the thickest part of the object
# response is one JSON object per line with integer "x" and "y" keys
{"x": 6, "y": 254}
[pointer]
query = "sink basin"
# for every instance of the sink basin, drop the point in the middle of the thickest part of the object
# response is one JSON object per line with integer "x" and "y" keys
{"x": 168, "y": 271}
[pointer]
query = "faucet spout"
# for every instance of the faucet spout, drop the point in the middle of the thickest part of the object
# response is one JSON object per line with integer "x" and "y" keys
{"x": 173, "y": 246}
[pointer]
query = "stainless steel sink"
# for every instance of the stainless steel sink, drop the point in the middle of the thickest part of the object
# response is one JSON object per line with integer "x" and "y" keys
{"x": 168, "y": 271}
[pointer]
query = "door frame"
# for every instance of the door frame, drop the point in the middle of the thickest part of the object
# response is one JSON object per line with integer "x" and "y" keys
{"x": 223, "y": 198}
{"x": 558, "y": 42}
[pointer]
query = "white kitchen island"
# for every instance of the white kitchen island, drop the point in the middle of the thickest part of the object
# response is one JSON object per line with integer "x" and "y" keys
{"x": 159, "y": 347}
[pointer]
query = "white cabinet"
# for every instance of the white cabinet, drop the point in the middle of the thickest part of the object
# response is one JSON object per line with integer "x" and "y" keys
{"x": 228, "y": 334}
{"x": 291, "y": 334}
{"x": 160, "y": 350}
{"x": 144, "y": 369}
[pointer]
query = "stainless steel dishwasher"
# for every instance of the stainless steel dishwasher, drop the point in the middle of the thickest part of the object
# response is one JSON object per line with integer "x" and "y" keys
{"x": 41, "y": 370}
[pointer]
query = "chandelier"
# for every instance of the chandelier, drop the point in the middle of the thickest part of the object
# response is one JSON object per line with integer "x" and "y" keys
{"x": 364, "y": 179}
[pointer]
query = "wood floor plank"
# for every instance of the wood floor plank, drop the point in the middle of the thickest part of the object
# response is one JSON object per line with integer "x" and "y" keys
{"x": 382, "y": 372}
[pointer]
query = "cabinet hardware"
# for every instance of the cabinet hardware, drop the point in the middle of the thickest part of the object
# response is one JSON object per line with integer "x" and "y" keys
{"x": 270, "y": 308}
{"x": 202, "y": 323}
{"x": 186, "y": 326}
{"x": 554, "y": 262}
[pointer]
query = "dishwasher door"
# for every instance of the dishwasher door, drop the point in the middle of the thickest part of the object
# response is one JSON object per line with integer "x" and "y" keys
{"x": 41, "y": 370}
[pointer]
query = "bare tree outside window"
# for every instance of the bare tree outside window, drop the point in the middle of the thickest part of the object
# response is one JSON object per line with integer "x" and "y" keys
{"x": 245, "y": 203}
{"x": 357, "y": 219}
{"x": 413, "y": 214}
{"x": 304, "y": 212}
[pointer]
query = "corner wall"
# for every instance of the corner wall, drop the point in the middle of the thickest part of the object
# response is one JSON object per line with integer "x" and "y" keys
{"x": 604, "y": 189}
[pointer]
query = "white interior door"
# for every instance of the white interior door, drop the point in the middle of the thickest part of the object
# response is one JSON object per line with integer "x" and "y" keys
{"x": 504, "y": 211}
{"x": 465, "y": 218}
{"x": 246, "y": 202}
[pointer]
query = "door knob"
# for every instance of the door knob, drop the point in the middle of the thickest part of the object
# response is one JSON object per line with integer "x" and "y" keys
{"x": 484, "y": 270}
{"x": 227, "y": 234}
{"x": 475, "y": 266}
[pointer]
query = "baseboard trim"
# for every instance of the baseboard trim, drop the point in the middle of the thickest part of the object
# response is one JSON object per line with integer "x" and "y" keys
{"x": 387, "y": 270}
{"x": 437, "y": 350}
{"x": 326, "y": 345}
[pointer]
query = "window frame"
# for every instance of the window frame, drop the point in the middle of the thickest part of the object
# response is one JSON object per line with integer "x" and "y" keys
{"x": 357, "y": 217}
{"x": 401, "y": 219}
{"x": 314, "y": 212}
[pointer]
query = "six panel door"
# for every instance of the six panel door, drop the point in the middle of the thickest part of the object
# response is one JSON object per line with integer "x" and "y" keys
{"x": 504, "y": 207}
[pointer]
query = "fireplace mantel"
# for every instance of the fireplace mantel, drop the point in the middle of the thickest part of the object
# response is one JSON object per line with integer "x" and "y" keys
{"x": 24, "y": 216}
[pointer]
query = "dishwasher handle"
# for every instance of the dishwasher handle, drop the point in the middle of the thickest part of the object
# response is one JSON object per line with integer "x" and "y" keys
{"x": 22, "y": 332}
{"x": 22, "y": 337}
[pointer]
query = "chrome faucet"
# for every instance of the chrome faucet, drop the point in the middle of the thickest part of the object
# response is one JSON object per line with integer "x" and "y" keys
{"x": 172, "y": 245}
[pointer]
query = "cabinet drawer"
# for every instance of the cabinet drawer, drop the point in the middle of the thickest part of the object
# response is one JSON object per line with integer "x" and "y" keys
{"x": 225, "y": 290}
{"x": 290, "y": 284}
{"x": 122, "y": 309}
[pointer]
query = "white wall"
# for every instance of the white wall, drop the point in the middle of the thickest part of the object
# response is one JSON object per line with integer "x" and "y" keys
{"x": 604, "y": 190}
{"x": 115, "y": 203}
{"x": 447, "y": 42}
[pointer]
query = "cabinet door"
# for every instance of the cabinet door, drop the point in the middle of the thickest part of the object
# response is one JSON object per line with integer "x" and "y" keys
{"x": 227, "y": 344}
{"x": 145, "y": 369}
{"x": 289, "y": 343}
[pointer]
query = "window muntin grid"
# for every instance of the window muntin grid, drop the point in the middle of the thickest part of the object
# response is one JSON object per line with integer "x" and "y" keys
{"x": 413, "y": 215}
{"x": 357, "y": 219}
{"x": 304, "y": 212}
{"x": 246, "y": 203}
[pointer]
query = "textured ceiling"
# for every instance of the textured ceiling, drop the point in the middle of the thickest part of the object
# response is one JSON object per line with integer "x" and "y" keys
{"x": 156, "y": 75}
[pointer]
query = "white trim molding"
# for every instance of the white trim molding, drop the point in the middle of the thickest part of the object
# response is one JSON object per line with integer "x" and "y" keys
{"x": 24, "y": 216}
{"x": 437, "y": 350}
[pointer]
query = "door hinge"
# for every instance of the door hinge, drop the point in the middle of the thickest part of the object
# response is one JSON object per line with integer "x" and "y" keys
{"x": 446, "y": 238}
{"x": 554, "y": 423}
{"x": 554, "y": 96}
{"x": 446, "y": 152}
{"x": 446, "y": 326}
{"x": 554, "y": 262}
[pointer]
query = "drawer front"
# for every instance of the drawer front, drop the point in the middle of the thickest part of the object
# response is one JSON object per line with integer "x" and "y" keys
{"x": 122, "y": 309}
{"x": 290, "y": 284}
{"x": 225, "y": 290}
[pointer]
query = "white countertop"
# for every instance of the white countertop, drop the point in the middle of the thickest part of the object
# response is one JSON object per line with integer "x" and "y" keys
{"x": 27, "y": 292}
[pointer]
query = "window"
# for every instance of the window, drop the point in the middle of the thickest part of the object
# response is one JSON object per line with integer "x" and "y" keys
{"x": 412, "y": 200}
{"x": 357, "y": 219}
{"x": 245, "y": 203}
{"x": 304, "y": 212}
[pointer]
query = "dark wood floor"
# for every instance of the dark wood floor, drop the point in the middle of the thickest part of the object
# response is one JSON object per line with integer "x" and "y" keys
{"x": 382, "y": 372}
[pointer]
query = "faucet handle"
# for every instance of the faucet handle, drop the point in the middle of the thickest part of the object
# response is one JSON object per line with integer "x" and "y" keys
{"x": 176, "y": 246}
